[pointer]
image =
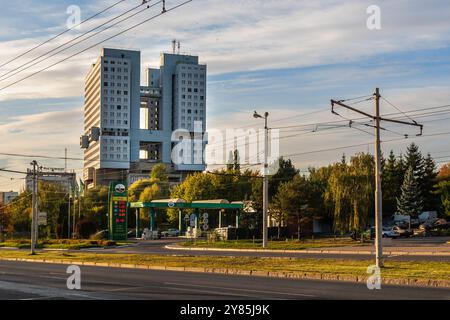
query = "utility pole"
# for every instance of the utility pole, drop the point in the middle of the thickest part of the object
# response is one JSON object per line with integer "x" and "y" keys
{"x": 265, "y": 178}
{"x": 68, "y": 210}
{"x": 74, "y": 208}
{"x": 34, "y": 214}
{"x": 378, "y": 191}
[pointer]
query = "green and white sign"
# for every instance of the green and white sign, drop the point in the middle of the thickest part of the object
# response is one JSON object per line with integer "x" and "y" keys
{"x": 118, "y": 211}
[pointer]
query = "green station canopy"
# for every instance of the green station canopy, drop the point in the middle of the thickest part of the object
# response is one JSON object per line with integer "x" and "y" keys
{"x": 182, "y": 204}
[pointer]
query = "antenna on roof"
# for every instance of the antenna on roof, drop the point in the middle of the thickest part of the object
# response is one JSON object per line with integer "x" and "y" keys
{"x": 179, "y": 47}
{"x": 174, "y": 45}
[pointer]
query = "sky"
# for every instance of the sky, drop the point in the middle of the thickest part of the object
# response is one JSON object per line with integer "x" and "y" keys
{"x": 288, "y": 58}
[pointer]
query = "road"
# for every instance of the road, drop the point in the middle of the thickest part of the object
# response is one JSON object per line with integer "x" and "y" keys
{"x": 158, "y": 247}
{"x": 22, "y": 280}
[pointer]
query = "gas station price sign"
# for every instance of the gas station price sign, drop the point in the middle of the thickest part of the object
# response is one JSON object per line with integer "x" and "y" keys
{"x": 118, "y": 211}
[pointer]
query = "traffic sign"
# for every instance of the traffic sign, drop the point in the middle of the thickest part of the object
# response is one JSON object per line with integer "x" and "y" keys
{"x": 42, "y": 218}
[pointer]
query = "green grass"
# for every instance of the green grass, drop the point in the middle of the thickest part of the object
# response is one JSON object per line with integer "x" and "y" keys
{"x": 58, "y": 244}
{"x": 420, "y": 270}
{"x": 276, "y": 245}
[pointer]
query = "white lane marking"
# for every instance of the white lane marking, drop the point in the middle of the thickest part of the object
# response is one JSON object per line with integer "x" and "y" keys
{"x": 245, "y": 290}
{"x": 215, "y": 292}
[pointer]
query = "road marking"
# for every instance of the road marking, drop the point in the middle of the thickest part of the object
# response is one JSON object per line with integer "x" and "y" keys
{"x": 246, "y": 290}
{"x": 215, "y": 292}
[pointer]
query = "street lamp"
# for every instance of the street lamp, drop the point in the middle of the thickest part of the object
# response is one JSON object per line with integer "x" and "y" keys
{"x": 256, "y": 115}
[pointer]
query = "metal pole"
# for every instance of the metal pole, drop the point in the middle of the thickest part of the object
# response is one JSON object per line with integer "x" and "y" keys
{"x": 68, "y": 212}
{"x": 378, "y": 191}
{"x": 266, "y": 182}
{"x": 33, "y": 208}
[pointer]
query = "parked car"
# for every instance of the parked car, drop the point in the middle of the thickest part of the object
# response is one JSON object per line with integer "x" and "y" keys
{"x": 389, "y": 232}
{"x": 401, "y": 232}
{"x": 171, "y": 233}
{"x": 435, "y": 224}
{"x": 151, "y": 235}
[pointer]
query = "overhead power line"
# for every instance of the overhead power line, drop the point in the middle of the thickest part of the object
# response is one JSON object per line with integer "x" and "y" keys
{"x": 54, "y": 51}
{"x": 60, "y": 34}
{"x": 96, "y": 44}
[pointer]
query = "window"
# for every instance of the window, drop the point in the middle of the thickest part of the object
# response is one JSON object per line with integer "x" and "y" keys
{"x": 143, "y": 118}
{"x": 105, "y": 84}
{"x": 125, "y": 93}
{"x": 105, "y": 69}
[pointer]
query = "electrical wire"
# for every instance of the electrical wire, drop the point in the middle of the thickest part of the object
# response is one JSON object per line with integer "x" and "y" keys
{"x": 62, "y": 33}
{"x": 96, "y": 44}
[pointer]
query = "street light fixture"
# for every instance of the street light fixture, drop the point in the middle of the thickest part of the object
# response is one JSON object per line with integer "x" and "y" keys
{"x": 256, "y": 115}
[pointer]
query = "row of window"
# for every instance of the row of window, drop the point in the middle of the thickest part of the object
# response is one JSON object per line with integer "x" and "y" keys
{"x": 117, "y": 114}
{"x": 112, "y": 99}
{"x": 107, "y": 76}
{"x": 114, "y": 62}
{"x": 190, "y": 111}
{"x": 195, "y": 83}
{"x": 195, "y": 90}
{"x": 105, "y": 69}
{"x": 119, "y": 92}
{"x": 196, "y": 97}
{"x": 115, "y": 156}
{"x": 115, "y": 122}
{"x": 193, "y": 75}
{"x": 115, "y": 84}
{"x": 190, "y": 104}
{"x": 190, "y": 118}
{"x": 114, "y": 107}
{"x": 117, "y": 149}
{"x": 114, "y": 141}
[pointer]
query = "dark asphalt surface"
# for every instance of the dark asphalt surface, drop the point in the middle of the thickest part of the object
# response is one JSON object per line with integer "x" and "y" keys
{"x": 158, "y": 247}
{"x": 22, "y": 280}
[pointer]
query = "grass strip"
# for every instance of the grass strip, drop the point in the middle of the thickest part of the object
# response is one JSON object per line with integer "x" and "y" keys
{"x": 275, "y": 245}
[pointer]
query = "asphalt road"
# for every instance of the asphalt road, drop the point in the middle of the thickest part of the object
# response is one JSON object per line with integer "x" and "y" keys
{"x": 158, "y": 247}
{"x": 22, "y": 280}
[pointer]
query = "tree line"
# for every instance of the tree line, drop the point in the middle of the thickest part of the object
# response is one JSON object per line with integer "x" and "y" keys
{"x": 341, "y": 194}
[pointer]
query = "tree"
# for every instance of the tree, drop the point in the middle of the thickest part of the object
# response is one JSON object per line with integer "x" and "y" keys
{"x": 159, "y": 172}
{"x": 429, "y": 179}
{"x": 444, "y": 172}
{"x": 390, "y": 185}
{"x": 52, "y": 199}
{"x": 294, "y": 198}
{"x": 285, "y": 172}
{"x": 410, "y": 201}
{"x": 351, "y": 190}
{"x": 443, "y": 190}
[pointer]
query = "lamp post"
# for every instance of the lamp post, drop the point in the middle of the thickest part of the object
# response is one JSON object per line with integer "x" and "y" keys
{"x": 256, "y": 115}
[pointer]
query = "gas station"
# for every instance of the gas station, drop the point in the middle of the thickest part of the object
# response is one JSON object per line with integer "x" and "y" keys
{"x": 193, "y": 217}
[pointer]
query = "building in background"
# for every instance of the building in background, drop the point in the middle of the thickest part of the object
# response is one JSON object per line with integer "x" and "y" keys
{"x": 7, "y": 196}
{"x": 136, "y": 123}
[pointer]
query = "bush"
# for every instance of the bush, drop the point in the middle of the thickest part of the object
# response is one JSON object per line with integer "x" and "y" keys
{"x": 86, "y": 228}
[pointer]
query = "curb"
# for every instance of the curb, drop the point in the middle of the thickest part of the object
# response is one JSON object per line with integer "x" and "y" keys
{"x": 398, "y": 253}
{"x": 254, "y": 273}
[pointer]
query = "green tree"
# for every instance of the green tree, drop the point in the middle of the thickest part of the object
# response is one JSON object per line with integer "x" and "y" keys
{"x": 295, "y": 198}
{"x": 443, "y": 190}
{"x": 351, "y": 189}
{"x": 410, "y": 201}
{"x": 52, "y": 200}
{"x": 392, "y": 179}
{"x": 286, "y": 172}
{"x": 429, "y": 180}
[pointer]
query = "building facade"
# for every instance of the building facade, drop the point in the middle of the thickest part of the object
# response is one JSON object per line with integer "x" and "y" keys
{"x": 137, "y": 123}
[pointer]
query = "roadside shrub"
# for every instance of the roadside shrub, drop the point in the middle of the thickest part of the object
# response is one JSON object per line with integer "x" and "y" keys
{"x": 86, "y": 228}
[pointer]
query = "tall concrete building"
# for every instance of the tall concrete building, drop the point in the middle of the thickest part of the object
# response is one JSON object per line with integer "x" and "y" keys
{"x": 136, "y": 123}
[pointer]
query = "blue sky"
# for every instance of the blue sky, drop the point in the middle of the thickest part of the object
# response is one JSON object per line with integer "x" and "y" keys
{"x": 286, "y": 57}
